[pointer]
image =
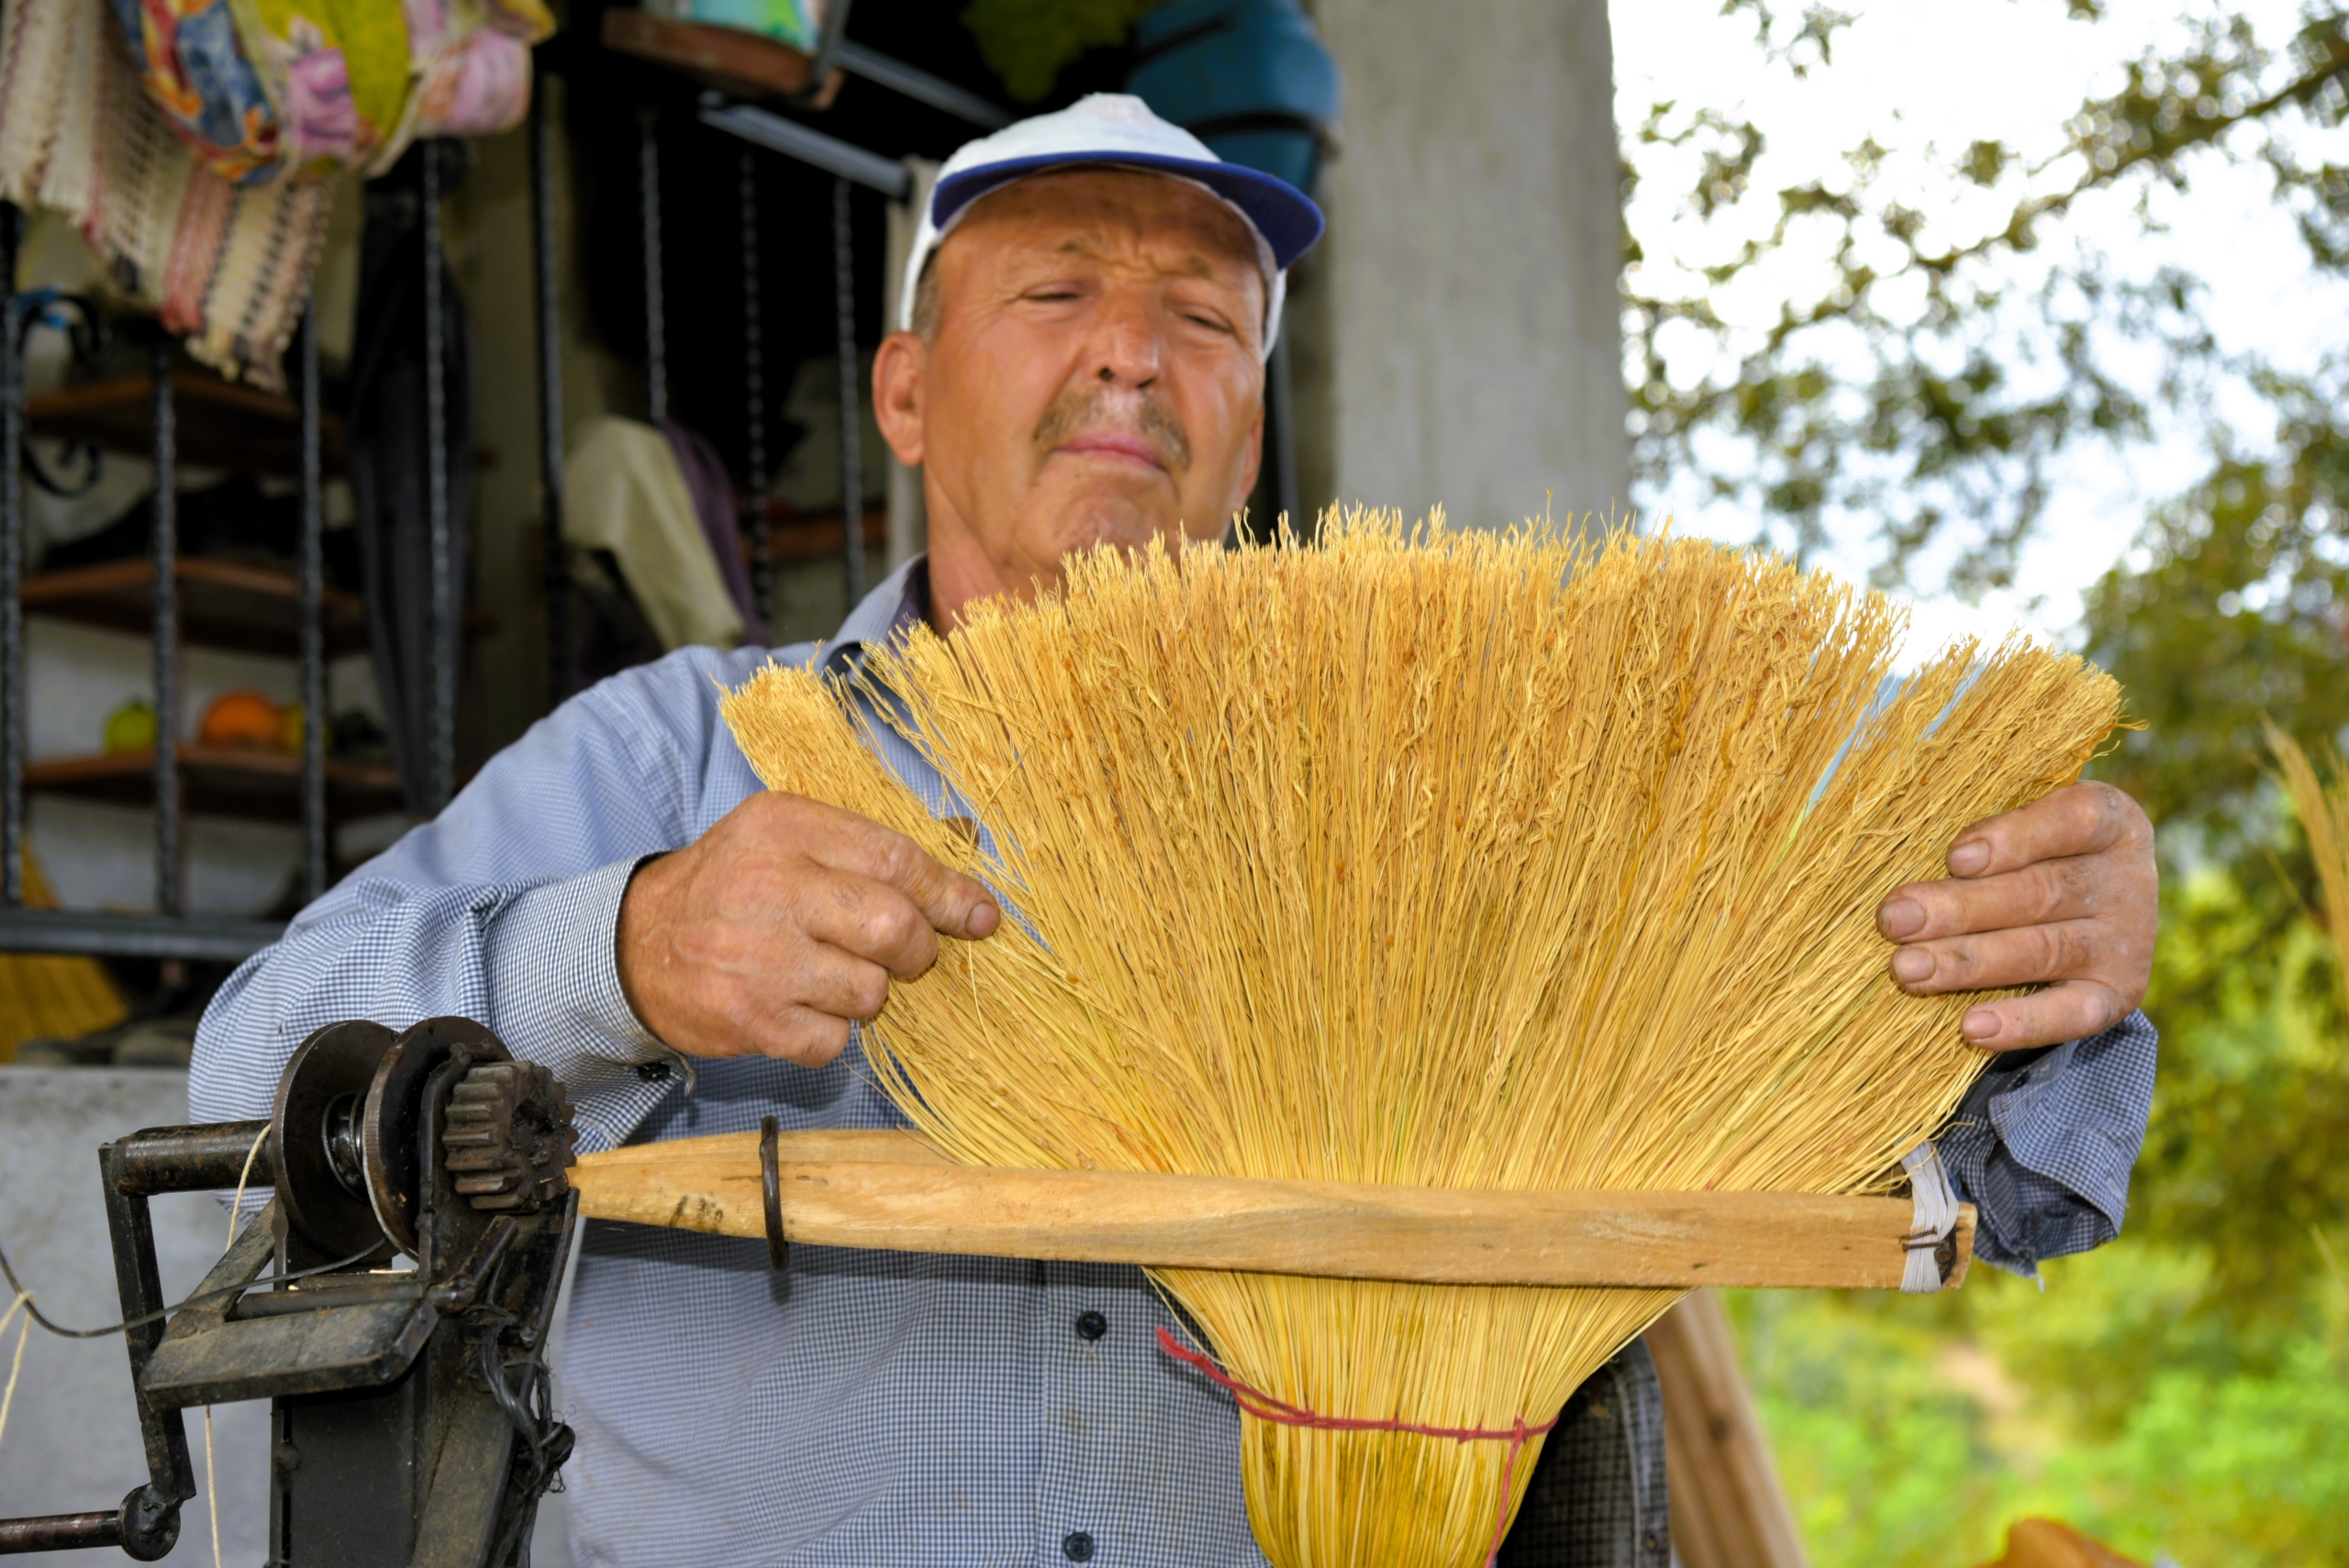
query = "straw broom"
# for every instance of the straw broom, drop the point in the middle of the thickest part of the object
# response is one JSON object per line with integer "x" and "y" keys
{"x": 2324, "y": 818}
{"x": 1440, "y": 859}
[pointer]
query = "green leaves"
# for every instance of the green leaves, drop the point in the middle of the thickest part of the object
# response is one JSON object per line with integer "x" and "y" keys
{"x": 1026, "y": 42}
{"x": 1918, "y": 383}
{"x": 1985, "y": 162}
{"x": 2182, "y": 1393}
{"x": 2236, "y": 610}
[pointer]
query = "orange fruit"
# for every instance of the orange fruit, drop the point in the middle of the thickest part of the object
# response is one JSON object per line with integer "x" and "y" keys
{"x": 241, "y": 718}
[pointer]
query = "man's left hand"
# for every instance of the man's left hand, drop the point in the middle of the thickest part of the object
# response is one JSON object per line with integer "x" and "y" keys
{"x": 2061, "y": 894}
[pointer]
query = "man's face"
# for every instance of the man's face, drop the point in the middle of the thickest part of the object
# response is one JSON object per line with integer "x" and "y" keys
{"x": 1095, "y": 376}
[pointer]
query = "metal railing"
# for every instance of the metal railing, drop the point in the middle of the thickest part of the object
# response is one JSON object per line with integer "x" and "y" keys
{"x": 173, "y": 932}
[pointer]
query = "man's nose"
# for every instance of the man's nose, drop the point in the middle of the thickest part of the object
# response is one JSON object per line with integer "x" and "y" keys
{"x": 1127, "y": 349}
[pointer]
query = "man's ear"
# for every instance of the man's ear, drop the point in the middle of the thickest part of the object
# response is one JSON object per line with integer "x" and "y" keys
{"x": 896, "y": 393}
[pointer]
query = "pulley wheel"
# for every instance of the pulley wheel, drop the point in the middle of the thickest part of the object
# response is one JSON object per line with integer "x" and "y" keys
{"x": 319, "y": 1101}
{"x": 393, "y": 1120}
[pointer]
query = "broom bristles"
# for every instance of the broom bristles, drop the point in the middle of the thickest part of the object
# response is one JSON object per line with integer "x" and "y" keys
{"x": 2324, "y": 818}
{"x": 1435, "y": 858}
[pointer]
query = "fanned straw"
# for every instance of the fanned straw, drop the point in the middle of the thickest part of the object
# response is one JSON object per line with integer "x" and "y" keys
{"x": 1442, "y": 858}
{"x": 2324, "y": 818}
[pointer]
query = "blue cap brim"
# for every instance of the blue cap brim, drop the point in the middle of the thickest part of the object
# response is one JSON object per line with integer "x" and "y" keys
{"x": 1285, "y": 216}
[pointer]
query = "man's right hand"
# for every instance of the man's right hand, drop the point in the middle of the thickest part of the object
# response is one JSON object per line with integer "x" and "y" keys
{"x": 784, "y": 921}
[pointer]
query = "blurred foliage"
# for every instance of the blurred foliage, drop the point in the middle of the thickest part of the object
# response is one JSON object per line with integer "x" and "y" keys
{"x": 1027, "y": 43}
{"x": 2183, "y": 1393}
{"x": 2234, "y": 608}
{"x": 1942, "y": 417}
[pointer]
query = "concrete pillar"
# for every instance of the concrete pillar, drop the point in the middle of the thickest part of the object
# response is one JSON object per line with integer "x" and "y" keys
{"x": 1458, "y": 341}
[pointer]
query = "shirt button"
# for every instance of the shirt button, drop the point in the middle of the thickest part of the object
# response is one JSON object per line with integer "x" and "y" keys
{"x": 1091, "y": 1326}
{"x": 652, "y": 1072}
{"x": 1077, "y": 1546}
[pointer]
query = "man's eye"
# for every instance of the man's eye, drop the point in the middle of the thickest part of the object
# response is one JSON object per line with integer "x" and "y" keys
{"x": 1212, "y": 323}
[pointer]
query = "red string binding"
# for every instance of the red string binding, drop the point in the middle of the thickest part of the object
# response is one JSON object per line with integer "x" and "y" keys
{"x": 1265, "y": 1408}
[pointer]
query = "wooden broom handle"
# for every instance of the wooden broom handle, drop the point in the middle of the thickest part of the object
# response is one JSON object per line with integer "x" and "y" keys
{"x": 892, "y": 1190}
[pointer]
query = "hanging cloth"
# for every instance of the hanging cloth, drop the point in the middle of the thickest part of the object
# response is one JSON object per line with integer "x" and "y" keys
{"x": 625, "y": 493}
{"x": 265, "y": 90}
{"x": 472, "y": 65}
{"x": 714, "y": 504}
{"x": 386, "y": 459}
{"x": 228, "y": 266}
{"x": 337, "y": 75}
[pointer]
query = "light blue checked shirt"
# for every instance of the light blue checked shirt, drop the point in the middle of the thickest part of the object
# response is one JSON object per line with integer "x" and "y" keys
{"x": 863, "y": 1409}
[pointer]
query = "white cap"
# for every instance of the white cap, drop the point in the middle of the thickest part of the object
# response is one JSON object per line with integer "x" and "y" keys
{"x": 1119, "y": 130}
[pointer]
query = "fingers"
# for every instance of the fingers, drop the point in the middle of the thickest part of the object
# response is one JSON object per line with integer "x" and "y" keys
{"x": 872, "y": 921}
{"x": 744, "y": 1015}
{"x": 2073, "y": 1010}
{"x": 2063, "y": 893}
{"x": 957, "y": 904}
{"x": 2078, "y": 820}
{"x": 782, "y": 924}
{"x": 806, "y": 1038}
{"x": 840, "y": 986}
{"x": 954, "y": 904}
{"x": 1988, "y": 961}
{"x": 2052, "y": 890}
{"x": 2083, "y": 1004}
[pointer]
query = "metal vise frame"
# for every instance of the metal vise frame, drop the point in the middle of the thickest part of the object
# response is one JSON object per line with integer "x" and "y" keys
{"x": 408, "y": 1420}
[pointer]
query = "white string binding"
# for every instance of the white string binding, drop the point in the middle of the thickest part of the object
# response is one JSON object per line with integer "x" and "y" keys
{"x": 16, "y": 1368}
{"x": 1936, "y": 1217}
{"x": 211, "y": 1485}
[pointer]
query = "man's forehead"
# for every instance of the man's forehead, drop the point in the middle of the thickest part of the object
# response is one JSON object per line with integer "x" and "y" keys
{"x": 1098, "y": 212}
{"x": 1097, "y": 242}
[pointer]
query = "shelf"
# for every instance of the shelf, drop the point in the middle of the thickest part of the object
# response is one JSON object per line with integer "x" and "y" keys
{"x": 217, "y": 939}
{"x": 742, "y": 63}
{"x": 218, "y": 423}
{"x": 805, "y": 536}
{"x": 223, "y": 604}
{"x": 264, "y": 786}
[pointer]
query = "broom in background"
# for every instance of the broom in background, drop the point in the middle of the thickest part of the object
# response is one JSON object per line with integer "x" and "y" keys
{"x": 2324, "y": 818}
{"x": 47, "y": 997}
{"x": 1440, "y": 859}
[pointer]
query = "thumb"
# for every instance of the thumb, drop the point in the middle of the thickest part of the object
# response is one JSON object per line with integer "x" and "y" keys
{"x": 954, "y": 905}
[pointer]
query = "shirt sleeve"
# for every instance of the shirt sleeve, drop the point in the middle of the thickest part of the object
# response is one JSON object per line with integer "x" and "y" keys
{"x": 505, "y": 908}
{"x": 2043, "y": 1148}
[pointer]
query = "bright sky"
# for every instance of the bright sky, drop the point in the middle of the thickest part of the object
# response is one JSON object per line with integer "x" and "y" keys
{"x": 1926, "y": 78}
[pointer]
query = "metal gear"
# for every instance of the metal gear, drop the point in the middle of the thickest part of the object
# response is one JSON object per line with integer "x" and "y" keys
{"x": 509, "y": 1136}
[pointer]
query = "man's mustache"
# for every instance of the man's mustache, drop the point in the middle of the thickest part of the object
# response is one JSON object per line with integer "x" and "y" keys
{"x": 1074, "y": 412}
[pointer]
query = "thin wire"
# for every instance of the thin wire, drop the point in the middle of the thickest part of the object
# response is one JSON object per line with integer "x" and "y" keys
{"x": 211, "y": 1492}
{"x": 211, "y": 1474}
{"x": 535, "y": 1426}
{"x": 17, "y": 1366}
{"x": 8, "y": 1273}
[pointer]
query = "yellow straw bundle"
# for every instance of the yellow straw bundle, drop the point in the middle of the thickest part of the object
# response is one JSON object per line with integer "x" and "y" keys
{"x": 2324, "y": 817}
{"x": 1440, "y": 859}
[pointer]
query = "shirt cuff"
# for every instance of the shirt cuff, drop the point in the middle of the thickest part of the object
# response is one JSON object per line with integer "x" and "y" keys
{"x": 2043, "y": 1148}
{"x": 552, "y": 962}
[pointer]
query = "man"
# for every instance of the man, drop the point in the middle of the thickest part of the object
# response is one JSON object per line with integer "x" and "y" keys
{"x": 1091, "y": 298}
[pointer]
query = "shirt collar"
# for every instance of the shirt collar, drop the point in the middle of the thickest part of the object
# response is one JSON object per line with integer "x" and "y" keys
{"x": 899, "y": 603}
